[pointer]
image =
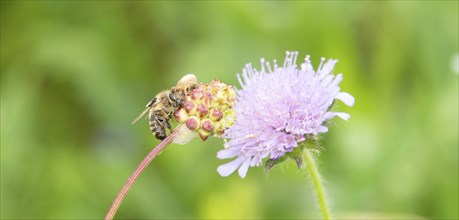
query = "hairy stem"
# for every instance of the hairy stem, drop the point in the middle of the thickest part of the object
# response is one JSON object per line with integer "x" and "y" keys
{"x": 145, "y": 162}
{"x": 317, "y": 183}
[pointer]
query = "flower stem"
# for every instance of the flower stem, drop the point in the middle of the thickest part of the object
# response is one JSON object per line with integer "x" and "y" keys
{"x": 317, "y": 183}
{"x": 145, "y": 162}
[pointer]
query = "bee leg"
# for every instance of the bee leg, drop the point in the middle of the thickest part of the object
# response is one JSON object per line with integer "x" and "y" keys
{"x": 168, "y": 126}
{"x": 191, "y": 88}
{"x": 165, "y": 110}
{"x": 164, "y": 122}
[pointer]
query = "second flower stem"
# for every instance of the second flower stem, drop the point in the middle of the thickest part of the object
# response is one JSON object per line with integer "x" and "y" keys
{"x": 317, "y": 183}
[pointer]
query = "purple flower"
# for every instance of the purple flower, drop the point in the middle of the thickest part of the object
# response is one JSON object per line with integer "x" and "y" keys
{"x": 276, "y": 108}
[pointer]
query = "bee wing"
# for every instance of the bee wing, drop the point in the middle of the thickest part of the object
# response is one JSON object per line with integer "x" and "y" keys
{"x": 149, "y": 105}
{"x": 141, "y": 115}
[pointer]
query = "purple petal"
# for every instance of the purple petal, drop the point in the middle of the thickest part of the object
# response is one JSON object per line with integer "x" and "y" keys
{"x": 227, "y": 153}
{"x": 342, "y": 115}
{"x": 327, "y": 68}
{"x": 328, "y": 115}
{"x": 346, "y": 98}
{"x": 244, "y": 168}
{"x": 229, "y": 168}
{"x": 322, "y": 129}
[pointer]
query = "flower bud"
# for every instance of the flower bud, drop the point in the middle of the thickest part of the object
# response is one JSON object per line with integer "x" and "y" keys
{"x": 202, "y": 110}
{"x": 189, "y": 107}
{"x": 216, "y": 114}
{"x": 203, "y": 134}
{"x": 181, "y": 115}
{"x": 228, "y": 119}
{"x": 196, "y": 94}
{"x": 231, "y": 93}
{"x": 192, "y": 123}
{"x": 207, "y": 125}
{"x": 219, "y": 129}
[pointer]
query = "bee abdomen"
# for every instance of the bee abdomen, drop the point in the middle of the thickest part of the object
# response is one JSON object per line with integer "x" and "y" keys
{"x": 156, "y": 128}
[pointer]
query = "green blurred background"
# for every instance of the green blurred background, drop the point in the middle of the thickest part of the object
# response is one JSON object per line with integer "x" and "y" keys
{"x": 74, "y": 74}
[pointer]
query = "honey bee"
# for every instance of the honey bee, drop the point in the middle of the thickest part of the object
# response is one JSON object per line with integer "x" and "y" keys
{"x": 163, "y": 106}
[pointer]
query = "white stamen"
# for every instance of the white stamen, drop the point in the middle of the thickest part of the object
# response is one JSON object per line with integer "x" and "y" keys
{"x": 245, "y": 75}
{"x": 249, "y": 69}
{"x": 240, "y": 80}
{"x": 322, "y": 60}
{"x": 262, "y": 61}
{"x": 288, "y": 59}
{"x": 295, "y": 56}
{"x": 269, "y": 66}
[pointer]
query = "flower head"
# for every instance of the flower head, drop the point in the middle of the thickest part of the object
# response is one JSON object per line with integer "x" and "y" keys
{"x": 208, "y": 110}
{"x": 279, "y": 107}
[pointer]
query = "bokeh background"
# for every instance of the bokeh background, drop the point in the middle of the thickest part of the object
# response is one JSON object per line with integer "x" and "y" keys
{"x": 75, "y": 73}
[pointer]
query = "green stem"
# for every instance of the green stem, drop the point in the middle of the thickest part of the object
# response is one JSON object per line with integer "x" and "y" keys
{"x": 317, "y": 183}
